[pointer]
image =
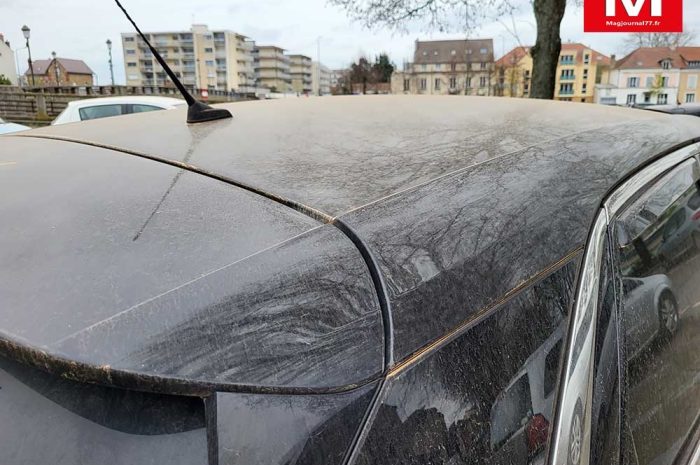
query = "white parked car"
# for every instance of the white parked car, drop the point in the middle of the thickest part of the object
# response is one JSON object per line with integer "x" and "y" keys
{"x": 6, "y": 128}
{"x": 81, "y": 110}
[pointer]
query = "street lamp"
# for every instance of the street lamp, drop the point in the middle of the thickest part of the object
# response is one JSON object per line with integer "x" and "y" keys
{"x": 25, "y": 32}
{"x": 111, "y": 70}
{"x": 55, "y": 69}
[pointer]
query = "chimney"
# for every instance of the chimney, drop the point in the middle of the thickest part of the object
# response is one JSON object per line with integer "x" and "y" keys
{"x": 612, "y": 60}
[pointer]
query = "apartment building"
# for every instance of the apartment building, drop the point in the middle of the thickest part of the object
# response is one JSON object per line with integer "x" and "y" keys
{"x": 218, "y": 60}
{"x": 320, "y": 79}
{"x": 578, "y": 70}
{"x": 7, "y": 61}
{"x": 300, "y": 71}
{"x": 272, "y": 68}
{"x": 462, "y": 67}
{"x": 653, "y": 75}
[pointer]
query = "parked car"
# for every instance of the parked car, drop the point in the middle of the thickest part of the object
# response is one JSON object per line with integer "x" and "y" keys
{"x": 347, "y": 281}
{"x": 682, "y": 109}
{"x": 7, "y": 128}
{"x": 105, "y": 107}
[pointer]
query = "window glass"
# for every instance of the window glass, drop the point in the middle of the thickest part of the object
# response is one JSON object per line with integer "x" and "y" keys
{"x": 484, "y": 397}
{"x": 657, "y": 252}
{"x": 140, "y": 108}
{"x": 101, "y": 111}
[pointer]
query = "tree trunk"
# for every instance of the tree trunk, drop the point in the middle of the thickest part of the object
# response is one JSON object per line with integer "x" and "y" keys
{"x": 545, "y": 53}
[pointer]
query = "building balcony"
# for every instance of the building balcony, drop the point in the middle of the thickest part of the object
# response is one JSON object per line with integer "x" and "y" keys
{"x": 567, "y": 78}
{"x": 566, "y": 92}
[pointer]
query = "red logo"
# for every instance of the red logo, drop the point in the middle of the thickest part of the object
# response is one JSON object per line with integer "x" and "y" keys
{"x": 633, "y": 15}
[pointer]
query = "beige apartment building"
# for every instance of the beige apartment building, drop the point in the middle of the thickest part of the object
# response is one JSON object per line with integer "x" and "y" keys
{"x": 272, "y": 68}
{"x": 463, "y": 67}
{"x": 578, "y": 70}
{"x": 215, "y": 60}
{"x": 300, "y": 70}
{"x": 320, "y": 79}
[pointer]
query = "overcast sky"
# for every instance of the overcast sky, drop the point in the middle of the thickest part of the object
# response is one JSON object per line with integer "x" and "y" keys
{"x": 79, "y": 28}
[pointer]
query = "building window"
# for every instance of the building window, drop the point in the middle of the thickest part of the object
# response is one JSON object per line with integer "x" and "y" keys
{"x": 453, "y": 83}
{"x": 650, "y": 81}
{"x": 438, "y": 67}
{"x": 566, "y": 89}
{"x": 567, "y": 74}
{"x": 689, "y": 98}
{"x": 453, "y": 67}
{"x": 567, "y": 60}
{"x": 482, "y": 81}
{"x": 586, "y": 59}
{"x": 469, "y": 82}
{"x": 585, "y": 73}
{"x": 207, "y": 37}
{"x": 694, "y": 64}
{"x": 128, "y": 39}
{"x": 526, "y": 87}
{"x": 692, "y": 82}
{"x": 527, "y": 74}
{"x": 435, "y": 52}
{"x": 584, "y": 88}
{"x": 483, "y": 51}
{"x": 425, "y": 54}
{"x": 469, "y": 51}
{"x": 664, "y": 81}
{"x": 666, "y": 64}
{"x": 424, "y": 67}
{"x": 130, "y": 52}
{"x": 483, "y": 65}
{"x": 208, "y": 50}
{"x": 131, "y": 65}
{"x": 423, "y": 84}
{"x": 662, "y": 99}
{"x": 631, "y": 99}
{"x": 406, "y": 85}
{"x": 633, "y": 82}
{"x": 133, "y": 77}
{"x": 209, "y": 62}
{"x": 453, "y": 52}
{"x": 437, "y": 83}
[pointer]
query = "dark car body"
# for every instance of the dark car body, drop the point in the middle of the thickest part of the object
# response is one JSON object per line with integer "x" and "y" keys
{"x": 692, "y": 109}
{"x": 315, "y": 281}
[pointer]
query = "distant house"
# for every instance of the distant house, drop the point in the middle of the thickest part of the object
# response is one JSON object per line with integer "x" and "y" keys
{"x": 653, "y": 75}
{"x": 7, "y": 61}
{"x": 61, "y": 72}
{"x": 447, "y": 67}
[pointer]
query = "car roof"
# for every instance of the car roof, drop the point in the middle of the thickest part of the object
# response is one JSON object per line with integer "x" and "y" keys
{"x": 456, "y": 202}
{"x": 337, "y": 154}
{"x": 128, "y": 99}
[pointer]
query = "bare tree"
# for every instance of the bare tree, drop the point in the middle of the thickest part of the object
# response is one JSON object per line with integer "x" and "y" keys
{"x": 445, "y": 15}
{"x": 658, "y": 39}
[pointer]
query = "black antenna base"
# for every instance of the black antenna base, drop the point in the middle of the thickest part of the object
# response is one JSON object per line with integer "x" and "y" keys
{"x": 199, "y": 112}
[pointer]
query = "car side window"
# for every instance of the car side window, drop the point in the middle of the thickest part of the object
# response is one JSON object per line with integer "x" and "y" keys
{"x": 141, "y": 108}
{"x": 101, "y": 111}
{"x": 658, "y": 260}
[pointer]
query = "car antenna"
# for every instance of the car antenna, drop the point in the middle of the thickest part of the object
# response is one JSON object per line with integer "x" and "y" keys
{"x": 198, "y": 112}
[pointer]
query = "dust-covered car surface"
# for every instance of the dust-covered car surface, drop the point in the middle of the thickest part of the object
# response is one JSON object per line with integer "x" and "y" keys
{"x": 472, "y": 280}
